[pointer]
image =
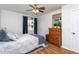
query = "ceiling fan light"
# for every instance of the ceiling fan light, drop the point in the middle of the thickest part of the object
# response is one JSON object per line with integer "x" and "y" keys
{"x": 35, "y": 11}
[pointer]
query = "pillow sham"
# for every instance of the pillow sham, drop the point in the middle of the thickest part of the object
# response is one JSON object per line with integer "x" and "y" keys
{"x": 12, "y": 35}
{"x": 4, "y": 37}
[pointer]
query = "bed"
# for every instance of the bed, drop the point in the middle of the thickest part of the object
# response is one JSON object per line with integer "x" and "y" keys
{"x": 24, "y": 44}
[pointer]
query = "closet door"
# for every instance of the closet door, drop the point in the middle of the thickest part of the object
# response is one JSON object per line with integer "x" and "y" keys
{"x": 25, "y": 24}
{"x": 75, "y": 29}
{"x": 70, "y": 27}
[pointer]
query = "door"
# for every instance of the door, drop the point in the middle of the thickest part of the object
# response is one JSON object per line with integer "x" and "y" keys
{"x": 70, "y": 27}
{"x": 75, "y": 29}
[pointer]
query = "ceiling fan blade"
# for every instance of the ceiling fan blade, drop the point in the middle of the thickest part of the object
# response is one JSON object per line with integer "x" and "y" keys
{"x": 42, "y": 8}
{"x": 35, "y": 5}
{"x": 32, "y": 6}
{"x": 41, "y": 11}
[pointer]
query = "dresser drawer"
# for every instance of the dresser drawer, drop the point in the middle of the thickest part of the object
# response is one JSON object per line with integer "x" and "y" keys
{"x": 55, "y": 36}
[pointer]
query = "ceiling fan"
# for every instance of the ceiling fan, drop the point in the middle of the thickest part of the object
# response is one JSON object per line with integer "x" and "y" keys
{"x": 36, "y": 9}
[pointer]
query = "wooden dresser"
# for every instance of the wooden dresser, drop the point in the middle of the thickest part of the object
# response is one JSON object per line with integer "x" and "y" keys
{"x": 55, "y": 36}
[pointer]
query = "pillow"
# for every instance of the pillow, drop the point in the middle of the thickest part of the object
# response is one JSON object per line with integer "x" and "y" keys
{"x": 16, "y": 35}
{"x": 12, "y": 35}
{"x": 4, "y": 37}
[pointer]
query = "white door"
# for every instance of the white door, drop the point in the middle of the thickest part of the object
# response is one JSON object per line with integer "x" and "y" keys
{"x": 75, "y": 29}
{"x": 70, "y": 27}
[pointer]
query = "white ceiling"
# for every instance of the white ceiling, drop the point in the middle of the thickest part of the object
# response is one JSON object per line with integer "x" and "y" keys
{"x": 21, "y": 8}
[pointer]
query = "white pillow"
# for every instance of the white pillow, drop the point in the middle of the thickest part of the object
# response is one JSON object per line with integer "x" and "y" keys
{"x": 16, "y": 35}
{"x": 12, "y": 35}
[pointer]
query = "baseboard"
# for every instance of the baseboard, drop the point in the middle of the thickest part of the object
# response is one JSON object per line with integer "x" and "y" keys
{"x": 70, "y": 49}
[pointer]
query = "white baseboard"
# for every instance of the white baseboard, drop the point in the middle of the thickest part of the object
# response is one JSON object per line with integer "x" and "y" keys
{"x": 70, "y": 49}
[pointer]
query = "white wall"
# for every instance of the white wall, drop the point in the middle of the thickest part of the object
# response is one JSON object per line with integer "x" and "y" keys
{"x": 12, "y": 21}
{"x": 45, "y": 22}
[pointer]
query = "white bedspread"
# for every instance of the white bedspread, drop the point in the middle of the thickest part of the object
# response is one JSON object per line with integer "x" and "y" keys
{"x": 24, "y": 44}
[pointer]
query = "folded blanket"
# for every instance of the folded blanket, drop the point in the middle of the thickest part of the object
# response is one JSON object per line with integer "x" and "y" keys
{"x": 41, "y": 38}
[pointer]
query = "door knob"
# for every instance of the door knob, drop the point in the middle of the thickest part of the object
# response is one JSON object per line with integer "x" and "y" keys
{"x": 73, "y": 33}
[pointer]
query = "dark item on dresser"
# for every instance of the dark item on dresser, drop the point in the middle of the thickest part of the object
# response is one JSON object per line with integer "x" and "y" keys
{"x": 55, "y": 36}
{"x": 47, "y": 37}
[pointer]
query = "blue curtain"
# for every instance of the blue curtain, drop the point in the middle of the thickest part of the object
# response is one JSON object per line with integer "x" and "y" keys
{"x": 35, "y": 26}
{"x": 25, "y": 24}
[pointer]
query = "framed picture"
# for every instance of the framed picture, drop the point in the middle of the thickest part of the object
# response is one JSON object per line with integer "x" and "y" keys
{"x": 57, "y": 20}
